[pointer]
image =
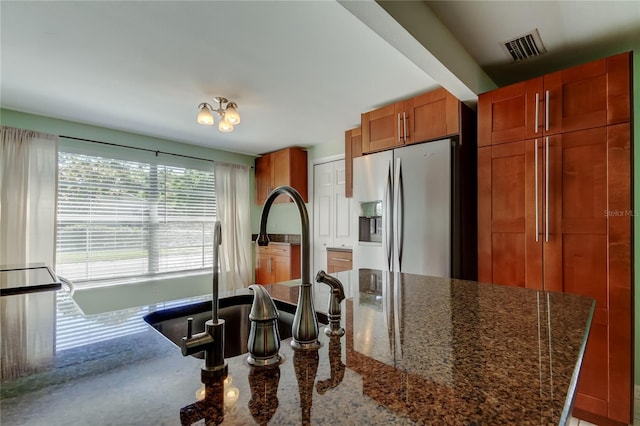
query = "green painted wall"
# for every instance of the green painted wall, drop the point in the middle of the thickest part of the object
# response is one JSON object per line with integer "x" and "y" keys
{"x": 68, "y": 128}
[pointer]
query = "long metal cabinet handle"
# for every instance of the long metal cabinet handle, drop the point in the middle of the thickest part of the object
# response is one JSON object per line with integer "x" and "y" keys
{"x": 546, "y": 194}
{"x": 404, "y": 124}
{"x": 546, "y": 111}
{"x": 536, "y": 165}
{"x": 537, "y": 105}
{"x": 387, "y": 219}
{"x": 399, "y": 134}
{"x": 269, "y": 265}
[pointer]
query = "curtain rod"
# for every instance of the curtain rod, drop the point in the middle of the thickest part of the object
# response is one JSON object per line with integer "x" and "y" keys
{"x": 133, "y": 147}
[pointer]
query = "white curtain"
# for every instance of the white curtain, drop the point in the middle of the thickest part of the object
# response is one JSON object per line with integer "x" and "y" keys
{"x": 233, "y": 202}
{"x": 28, "y": 174}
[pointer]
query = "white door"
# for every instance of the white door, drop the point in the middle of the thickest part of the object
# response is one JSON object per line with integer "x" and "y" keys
{"x": 322, "y": 217}
{"x": 342, "y": 208}
{"x": 331, "y": 212}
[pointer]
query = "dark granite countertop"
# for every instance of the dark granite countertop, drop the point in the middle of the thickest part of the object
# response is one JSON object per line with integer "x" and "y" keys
{"x": 417, "y": 350}
{"x": 293, "y": 239}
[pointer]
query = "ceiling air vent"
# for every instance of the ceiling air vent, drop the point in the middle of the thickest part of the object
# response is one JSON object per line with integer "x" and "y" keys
{"x": 526, "y": 46}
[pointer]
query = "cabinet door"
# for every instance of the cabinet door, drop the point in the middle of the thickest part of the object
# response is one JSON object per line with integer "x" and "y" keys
{"x": 578, "y": 253}
{"x": 352, "y": 149}
{"x": 284, "y": 167}
{"x": 281, "y": 268}
{"x": 508, "y": 252}
{"x": 382, "y": 128}
{"x": 290, "y": 168}
{"x": 264, "y": 178}
{"x": 280, "y": 170}
{"x": 508, "y": 114}
{"x": 431, "y": 115}
{"x": 591, "y": 95}
{"x": 263, "y": 268}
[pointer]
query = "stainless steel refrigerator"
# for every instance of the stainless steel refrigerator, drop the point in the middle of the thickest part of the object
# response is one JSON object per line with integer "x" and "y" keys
{"x": 408, "y": 211}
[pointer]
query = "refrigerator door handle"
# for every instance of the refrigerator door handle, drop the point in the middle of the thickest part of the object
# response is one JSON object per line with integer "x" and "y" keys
{"x": 388, "y": 195}
{"x": 399, "y": 213}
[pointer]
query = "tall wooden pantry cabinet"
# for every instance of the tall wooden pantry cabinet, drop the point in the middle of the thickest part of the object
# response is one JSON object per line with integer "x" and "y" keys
{"x": 554, "y": 209}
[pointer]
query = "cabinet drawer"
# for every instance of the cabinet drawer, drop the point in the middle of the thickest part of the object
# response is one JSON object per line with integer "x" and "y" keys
{"x": 275, "y": 249}
{"x": 338, "y": 261}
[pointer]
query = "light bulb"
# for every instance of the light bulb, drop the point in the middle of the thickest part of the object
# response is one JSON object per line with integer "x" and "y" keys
{"x": 204, "y": 116}
{"x": 231, "y": 396}
{"x": 231, "y": 115}
{"x": 200, "y": 393}
{"x": 224, "y": 126}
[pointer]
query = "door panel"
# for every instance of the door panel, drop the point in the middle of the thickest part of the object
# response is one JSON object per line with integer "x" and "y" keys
{"x": 263, "y": 272}
{"x": 576, "y": 253}
{"x": 577, "y": 98}
{"x": 280, "y": 269}
{"x": 264, "y": 178}
{"x": 426, "y": 218}
{"x": 508, "y": 259}
{"x": 594, "y": 372}
{"x": 381, "y": 128}
{"x": 577, "y": 202}
{"x": 342, "y": 207}
{"x": 510, "y": 183}
{"x": 322, "y": 213}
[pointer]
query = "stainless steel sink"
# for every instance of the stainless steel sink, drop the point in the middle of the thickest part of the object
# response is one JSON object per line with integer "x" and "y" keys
{"x": 172, "y": 323}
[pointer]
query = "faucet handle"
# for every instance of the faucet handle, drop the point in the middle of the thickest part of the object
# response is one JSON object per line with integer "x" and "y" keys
{"x": 189, "y": 327}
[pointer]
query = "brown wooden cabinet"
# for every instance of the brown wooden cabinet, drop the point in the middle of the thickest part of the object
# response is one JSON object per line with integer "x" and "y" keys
{"x": 277, "y": 262}
{"x": 339, "y": 260}
{"x": 554, "y": 210}
{"x": 428, "y": 116}
{"x": 587, "y": 96}
{"x": 352, "y": 149}
{"x": 285, "y": 167}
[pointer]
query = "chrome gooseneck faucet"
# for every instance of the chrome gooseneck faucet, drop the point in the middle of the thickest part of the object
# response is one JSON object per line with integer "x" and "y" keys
{"x": 211, "y": 340}
{"x": 305, "y": 323}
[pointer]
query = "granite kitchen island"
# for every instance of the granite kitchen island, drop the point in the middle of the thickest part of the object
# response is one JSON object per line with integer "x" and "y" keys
{"x": 417, "y": 350}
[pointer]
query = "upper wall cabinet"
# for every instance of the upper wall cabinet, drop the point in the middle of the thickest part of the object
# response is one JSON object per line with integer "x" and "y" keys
{"x": 428, "y": 116}
{"x": 583, "y": 97}
{"x": 285, "y": 167}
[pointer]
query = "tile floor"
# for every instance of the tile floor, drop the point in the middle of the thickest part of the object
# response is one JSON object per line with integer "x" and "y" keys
{"x": 636, "y": 412}
{"x": 576, "y": 422}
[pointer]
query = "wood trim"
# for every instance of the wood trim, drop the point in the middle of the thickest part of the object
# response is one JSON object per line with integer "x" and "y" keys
{"x": 618, "y": 93}
{"x": 352, "y": 149}
{"x": 485, "y": 261}
{"x": 484, "y": 119}
{"x": 620, "y": 294}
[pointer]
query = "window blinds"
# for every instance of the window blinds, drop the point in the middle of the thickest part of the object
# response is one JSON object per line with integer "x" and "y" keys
{"x": 119, "y": 218}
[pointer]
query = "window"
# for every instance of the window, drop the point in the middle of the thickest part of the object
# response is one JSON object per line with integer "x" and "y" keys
{"x": 123, "y": 218}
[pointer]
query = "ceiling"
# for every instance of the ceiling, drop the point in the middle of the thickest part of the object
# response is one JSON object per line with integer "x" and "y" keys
{"x": 301, "y": 72}
{"x": 573, "y": 32}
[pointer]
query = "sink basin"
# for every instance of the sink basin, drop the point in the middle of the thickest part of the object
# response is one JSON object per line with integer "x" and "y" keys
{"x": 172, "y": 323}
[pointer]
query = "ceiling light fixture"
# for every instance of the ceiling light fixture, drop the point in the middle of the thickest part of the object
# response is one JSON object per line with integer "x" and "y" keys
{"x": 228, "y": 113}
